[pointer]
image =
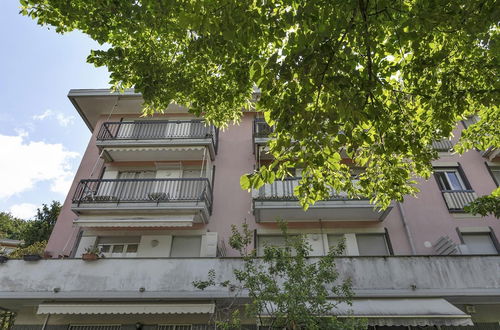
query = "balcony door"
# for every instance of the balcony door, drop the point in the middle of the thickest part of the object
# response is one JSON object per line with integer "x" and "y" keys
{"x": 132, "y": 188}
{"x": 169, "y": 189}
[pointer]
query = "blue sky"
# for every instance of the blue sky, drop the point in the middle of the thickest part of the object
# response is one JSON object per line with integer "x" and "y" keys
{"x": 42, "y": 138}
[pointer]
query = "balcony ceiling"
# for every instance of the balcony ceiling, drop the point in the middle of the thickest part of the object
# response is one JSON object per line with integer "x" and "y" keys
{"x": 93, "y": 103}
{"x": 337, "y": 210}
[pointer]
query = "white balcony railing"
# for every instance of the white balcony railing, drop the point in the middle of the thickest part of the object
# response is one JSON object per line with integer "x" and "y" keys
{"x": 456, "y": 200}
{"x": 283, "y": 190}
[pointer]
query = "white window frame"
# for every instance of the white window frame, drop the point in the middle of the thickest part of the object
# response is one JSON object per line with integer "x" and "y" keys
{"x": 447, "y": 172}
{"x": 123, "y": 254}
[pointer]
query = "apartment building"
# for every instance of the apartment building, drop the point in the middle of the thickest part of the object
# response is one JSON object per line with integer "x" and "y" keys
{"x": 157, "y": 195}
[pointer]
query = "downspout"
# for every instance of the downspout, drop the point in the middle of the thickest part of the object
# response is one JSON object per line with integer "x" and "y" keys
{"x": 407, "y": 229}
{"x": 46, "y": 321}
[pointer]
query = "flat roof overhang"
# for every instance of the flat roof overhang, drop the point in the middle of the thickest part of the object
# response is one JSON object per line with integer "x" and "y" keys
{"x": 334, "y": 210}
{"x": 93, "y": 103}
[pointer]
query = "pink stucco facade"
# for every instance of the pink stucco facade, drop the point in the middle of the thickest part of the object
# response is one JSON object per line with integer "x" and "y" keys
{"x": 426, "y": 216}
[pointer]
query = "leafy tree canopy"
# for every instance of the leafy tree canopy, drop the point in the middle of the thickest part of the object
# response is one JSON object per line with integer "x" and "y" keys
{"x": 35, "y": 248}
{"x": 11, "y": 227}
{"x": 486, "y": 205}
{"x": 286, "y": 289}
{"x": 40, "y": 228}
{"x": 374, "y": 80}
{"x": 34, "y": 230}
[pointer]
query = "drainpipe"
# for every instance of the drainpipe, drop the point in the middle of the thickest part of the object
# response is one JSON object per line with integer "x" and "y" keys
{"x": 46, "y": 321}
{"x": 407, "y": 229}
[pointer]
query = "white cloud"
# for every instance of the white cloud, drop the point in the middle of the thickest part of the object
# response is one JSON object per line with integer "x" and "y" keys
{"x": 44, "y": 115}
{"x": 25, "y": 163}
{"x": 23, "y": 211}
{"x": 62, "y": 184}
{"x": 61, "y": 118}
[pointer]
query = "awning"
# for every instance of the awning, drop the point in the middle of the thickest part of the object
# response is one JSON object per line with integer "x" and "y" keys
{"x": 163, "y": 221}
{"x": 125, "y": 308}
{"x": 156, "y": 154}
{"x": 404, "y": 312}
{"x": 171, "y": 149}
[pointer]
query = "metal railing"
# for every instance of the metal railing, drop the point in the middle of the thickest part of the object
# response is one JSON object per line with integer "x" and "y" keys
{"x": 158, "y": 129}
{"x": 261, "y": 129}
{"x": 456, "y": 200}
{"x": 143, "y": 190}
{"x": 283, "y": 190}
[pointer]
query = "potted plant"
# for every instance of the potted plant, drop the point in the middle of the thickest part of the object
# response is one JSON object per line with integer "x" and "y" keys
{"x": 33, "y": 252}
{"x": 3, "y": 256}
{"x": 91, "y": 253}
{"x": 32, "y": 257}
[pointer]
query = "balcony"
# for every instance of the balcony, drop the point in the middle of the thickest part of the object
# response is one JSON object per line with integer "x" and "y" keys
{"x": 142, "y": 202}
{"x": 456, "y": 278}
{"x": 148, "y": 140}
{"x": 277, "y": 201}
{"x": 456, "y": 200}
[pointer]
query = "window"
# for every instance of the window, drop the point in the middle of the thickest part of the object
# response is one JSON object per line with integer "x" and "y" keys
{"x": 450, "y": 179}
{"x": 495, "y": 173}
{"x": 471, "y": 120}
{"x": 372, "y": 245}
{"x": 479, "y": 243}
{"x": 185, "y": 246}
{"x": 119, "y": 246}
{"x": 334, "y": 241}
{"x": 270, "y": 240}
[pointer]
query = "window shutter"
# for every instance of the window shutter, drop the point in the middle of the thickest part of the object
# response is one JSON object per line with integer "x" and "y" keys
{"x": 186, "y": 246}
{"x": 464, "y": 178}
{"x": 209, "y": 245}
{"x": 437, "y": 176}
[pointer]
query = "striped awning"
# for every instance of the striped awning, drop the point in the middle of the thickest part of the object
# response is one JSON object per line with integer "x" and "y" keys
{"x": 171, "y": 149}
{"x": 180, "y": 220}
{"x": 403, "y": 312}
{"x": 126, "y": 308}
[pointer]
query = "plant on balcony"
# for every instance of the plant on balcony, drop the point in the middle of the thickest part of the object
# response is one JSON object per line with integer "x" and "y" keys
{"x": 3, "y": 255}
{"x": 103, "y": 198}
{"x": 158, "y": 196}
{"x": 286, "y": 289}
{"x": 92, "y": 253}
{"x": 32, "y": 252}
